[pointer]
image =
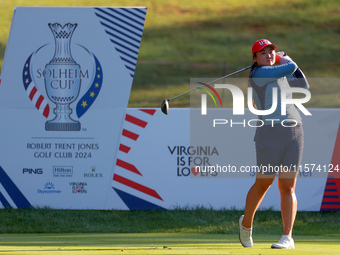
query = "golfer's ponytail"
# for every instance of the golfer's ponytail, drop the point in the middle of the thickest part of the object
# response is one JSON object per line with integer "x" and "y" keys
{"x": 250, "y": 81}
{"x": 254, "y": 65}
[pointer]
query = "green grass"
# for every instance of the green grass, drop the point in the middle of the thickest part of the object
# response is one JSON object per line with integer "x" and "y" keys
{"x": 185, "y": 35}
{"x": 179, "y": 231}
{"x": 198, "y": 220}
{"x": 176, "y": 243}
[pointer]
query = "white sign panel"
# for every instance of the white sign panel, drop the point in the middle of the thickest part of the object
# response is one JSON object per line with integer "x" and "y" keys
{"x": 66, "y": 81}
{"x": 154, "y": 166}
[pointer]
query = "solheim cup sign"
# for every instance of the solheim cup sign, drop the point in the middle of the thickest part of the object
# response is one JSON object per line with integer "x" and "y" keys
{"x": 65, "y": 85}
{"x": 61, "y": 79}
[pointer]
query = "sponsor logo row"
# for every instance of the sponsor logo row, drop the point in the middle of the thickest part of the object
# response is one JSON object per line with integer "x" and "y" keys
{"x": 75, "y": 188}
{"x": 62, "y": 171}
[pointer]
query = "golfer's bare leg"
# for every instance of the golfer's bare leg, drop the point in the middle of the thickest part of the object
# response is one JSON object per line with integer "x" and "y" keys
{"x": 255, "y": 197}
{"x": 287, "y": 183}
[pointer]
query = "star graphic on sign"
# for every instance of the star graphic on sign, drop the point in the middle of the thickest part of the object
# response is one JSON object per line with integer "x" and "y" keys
{"x": 84, "y": 104}
{"x": 97, "y": 85}
{"x": 92, "y": 94}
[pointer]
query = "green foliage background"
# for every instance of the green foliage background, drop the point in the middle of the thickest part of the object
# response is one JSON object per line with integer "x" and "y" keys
{"x": 186, "y": 39}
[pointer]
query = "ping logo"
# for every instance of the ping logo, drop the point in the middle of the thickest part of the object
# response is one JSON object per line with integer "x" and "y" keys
{"x": 32, "y": 170}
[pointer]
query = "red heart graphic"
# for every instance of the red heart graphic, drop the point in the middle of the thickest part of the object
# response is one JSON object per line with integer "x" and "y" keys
{"x": 195, "y": 170}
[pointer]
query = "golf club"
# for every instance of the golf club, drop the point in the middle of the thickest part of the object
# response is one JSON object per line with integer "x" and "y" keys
{"x": 165, "y": 103}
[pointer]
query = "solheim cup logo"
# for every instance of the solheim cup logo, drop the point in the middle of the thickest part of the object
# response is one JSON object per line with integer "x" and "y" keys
{"x": 61, "y": 79}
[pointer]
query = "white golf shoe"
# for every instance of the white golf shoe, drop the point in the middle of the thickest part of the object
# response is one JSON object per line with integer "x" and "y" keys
{"x": 245, "y": 235}
{"x": 285, "y": 242}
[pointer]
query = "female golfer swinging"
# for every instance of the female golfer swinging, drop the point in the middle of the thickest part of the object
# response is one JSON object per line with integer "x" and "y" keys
{"x": 277, "y": 146}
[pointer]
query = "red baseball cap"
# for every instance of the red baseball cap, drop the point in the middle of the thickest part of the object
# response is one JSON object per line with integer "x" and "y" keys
{"x": 260, "y": 44}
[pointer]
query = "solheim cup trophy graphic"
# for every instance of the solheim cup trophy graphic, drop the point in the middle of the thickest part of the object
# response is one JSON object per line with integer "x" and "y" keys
{"x": 62, "y": 79}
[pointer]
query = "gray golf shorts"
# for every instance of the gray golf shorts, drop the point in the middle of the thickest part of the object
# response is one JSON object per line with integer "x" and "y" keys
{"x": 278, "y": 147}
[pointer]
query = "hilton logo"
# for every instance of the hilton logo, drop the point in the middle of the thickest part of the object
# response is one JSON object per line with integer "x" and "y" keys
{"x": 62, "y": 171}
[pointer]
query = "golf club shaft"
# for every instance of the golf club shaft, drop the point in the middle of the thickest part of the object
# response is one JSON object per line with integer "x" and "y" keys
{"x": 241, "y": 70}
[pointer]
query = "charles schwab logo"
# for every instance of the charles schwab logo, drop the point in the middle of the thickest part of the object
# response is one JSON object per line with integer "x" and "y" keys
{"x": 72, "y": 75}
